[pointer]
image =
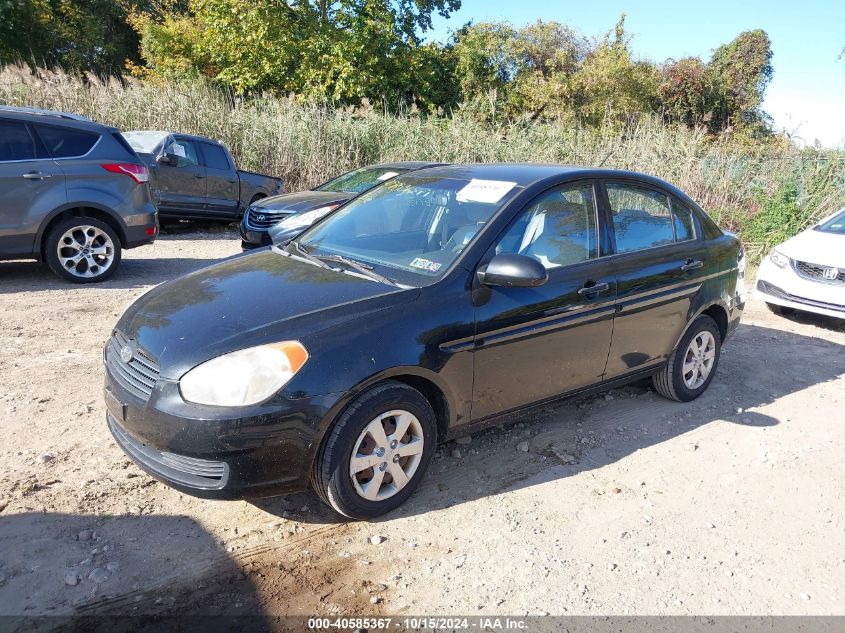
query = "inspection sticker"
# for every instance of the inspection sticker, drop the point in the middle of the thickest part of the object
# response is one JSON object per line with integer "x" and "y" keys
{"x": 426, "y": 264}
{"x": 388, "y": 175}
{"x": 487, "y": 191}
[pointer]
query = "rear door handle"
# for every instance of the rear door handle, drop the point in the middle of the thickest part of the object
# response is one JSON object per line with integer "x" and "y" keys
{"x": 592, "y": 288}
{"x": 200, "y": 176}
{"x": 37, "y": 175}
{"x": 692, "y": 264}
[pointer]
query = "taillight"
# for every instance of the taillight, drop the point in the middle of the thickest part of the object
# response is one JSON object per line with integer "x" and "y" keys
{"x": 138, "y": 173}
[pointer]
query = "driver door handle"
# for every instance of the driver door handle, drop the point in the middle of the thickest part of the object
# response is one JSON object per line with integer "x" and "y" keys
{"x": 592, "y": 288}
{"x": 37, "y": 175}
{"x": 692, "y": 264}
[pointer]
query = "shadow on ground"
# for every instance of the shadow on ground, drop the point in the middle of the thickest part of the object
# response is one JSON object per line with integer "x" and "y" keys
{"x": 588, "y": 433}
{"x": 63, "y": 572}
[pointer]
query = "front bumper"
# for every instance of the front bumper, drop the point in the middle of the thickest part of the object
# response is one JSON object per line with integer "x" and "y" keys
{"x": 217, "y": 452}
{"x": 252, "y": 237}
{"x": 786, "y": 288}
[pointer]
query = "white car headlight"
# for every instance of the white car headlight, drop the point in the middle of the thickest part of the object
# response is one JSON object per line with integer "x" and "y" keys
{"x": 245, "y": 377}
{"x": 306, "y": 219}
{"x": 779, "y": 259}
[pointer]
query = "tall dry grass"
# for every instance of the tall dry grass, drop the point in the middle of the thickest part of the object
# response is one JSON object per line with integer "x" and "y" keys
{"x": 307, "y": 144}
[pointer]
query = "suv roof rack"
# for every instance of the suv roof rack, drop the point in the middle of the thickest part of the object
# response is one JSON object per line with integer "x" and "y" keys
{"x": 56, "y": 113}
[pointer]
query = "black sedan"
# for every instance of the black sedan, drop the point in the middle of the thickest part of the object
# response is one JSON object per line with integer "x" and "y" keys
{"x": 291, "y": 213}
{"x": 422, "y": 310}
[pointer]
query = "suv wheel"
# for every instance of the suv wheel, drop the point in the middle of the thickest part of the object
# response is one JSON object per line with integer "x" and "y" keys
{"x": 82, "y": 250}
{"x": 693, "y": 363}
{"x": 378, "y": 451}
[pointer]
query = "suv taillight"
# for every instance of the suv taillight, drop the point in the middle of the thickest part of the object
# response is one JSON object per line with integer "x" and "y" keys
{"x": 138, "y": 173}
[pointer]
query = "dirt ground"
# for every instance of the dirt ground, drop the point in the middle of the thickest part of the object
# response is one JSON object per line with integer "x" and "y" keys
{"x": 624, "y": 503}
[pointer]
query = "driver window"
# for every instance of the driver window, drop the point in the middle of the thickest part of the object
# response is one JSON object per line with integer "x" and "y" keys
{"x": 184, "y": 151}
{"x": 558, "y": 229}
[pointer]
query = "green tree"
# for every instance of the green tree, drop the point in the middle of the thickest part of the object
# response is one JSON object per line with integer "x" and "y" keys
{"x": 742, "y": 70}
{"x": 342, "y": 51}
{"x": 611, "y": 85}
{"x": 74, "y": 34}
{"x": 688, "y": 93}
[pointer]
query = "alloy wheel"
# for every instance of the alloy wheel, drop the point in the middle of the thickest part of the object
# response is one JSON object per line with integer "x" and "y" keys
{"x": 699, "y": 359}
{"x": 85, "y": 251}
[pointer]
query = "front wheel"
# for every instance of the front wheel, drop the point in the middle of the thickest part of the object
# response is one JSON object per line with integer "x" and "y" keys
{"x": 377, "y": 452}
{"x": 82, "y": 250}
{"x": 692, "y": 365}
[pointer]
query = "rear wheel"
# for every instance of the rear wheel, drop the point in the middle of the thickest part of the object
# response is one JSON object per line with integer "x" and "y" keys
{"x": 82, "y": 250}
{"x": 692, "y": 365}
{"x": 377, "y": 452}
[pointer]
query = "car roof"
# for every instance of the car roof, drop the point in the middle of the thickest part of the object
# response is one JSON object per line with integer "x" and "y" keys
{"x": 527, "y": 174}
{"x": 409, "y": 165}
{"x": 41, "y": 115}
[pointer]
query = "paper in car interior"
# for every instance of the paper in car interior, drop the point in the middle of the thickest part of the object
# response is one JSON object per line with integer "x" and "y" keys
{"x": 179, "y": 150}
{"x": 487, "y": 191}
{"x": 388, "y": 175}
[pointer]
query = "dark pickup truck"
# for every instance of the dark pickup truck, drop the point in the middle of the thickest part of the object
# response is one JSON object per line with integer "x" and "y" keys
{"x": 193, "y": 177}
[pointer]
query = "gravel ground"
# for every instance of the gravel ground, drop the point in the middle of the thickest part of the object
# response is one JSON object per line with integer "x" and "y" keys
{"x": 623, "y": 503}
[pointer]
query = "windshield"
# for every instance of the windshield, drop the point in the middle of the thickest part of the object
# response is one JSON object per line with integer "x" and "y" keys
{"x": 836, "y": 224}
{"x": 413, "y": 226}
{"x": 145, "y": 142}
{"x": 361, "y": 180}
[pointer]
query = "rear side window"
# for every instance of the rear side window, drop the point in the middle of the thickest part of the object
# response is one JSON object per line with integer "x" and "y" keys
{"x": 683, "y": 222}
{"x": 215, "y": 156}
{"x": 642, "y": 218}
{"x": 65, "y": 142}
{"x": 16, "y": 143}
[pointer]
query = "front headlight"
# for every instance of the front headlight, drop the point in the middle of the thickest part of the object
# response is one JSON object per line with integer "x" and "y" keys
{"x": 779, "y": 259}
{"x": 245, "y": 377}
{"x": 303, "y": 220}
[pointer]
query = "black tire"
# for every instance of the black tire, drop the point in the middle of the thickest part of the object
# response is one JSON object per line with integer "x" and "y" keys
{"x": 78, "y": 275}
{"x": 669, "y": 381}
{"x": 332, "y": 480}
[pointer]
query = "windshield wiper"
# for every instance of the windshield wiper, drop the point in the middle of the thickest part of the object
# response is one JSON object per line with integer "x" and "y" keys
{"x": 306, "y": 255}
{"x": 364, "y": 269}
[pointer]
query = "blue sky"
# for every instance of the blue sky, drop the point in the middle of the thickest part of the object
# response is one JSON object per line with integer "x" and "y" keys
{"x": 806, "y": 95}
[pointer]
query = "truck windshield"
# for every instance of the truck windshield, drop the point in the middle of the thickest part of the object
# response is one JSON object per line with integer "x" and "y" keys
{"x": 145, "y": 142}
{"x": 836, "y": 224}
{"x": 360, "y": 180}
{"x": 412, "y": 228}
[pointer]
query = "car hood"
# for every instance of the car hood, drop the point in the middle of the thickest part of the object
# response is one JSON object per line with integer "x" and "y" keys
{"x": 302, "y": 201}
{"x": 816, "y": 247}
{"x": 248, "y": 300}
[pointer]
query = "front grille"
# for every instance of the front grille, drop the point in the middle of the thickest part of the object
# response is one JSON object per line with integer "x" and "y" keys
{"x": 189, "y": 471}
{"x": 770, "y": 289}
{"x": 815, "y": 272}
{"x": 140, "y": 374}
{"x": 265, "y": 218}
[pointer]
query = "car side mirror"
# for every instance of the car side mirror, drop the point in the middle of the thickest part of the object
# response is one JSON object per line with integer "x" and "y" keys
{"x": 168, "y": 159}
{"x": 509, "y": 270}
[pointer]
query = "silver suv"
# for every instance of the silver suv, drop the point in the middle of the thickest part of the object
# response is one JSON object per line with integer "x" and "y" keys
{"x": 74, "y": 193}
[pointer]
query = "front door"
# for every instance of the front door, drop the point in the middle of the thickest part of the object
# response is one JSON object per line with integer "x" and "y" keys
{"x": 182, "y": 187}
{"x": 659, "y": 265}
{"x": 537, "y": 343}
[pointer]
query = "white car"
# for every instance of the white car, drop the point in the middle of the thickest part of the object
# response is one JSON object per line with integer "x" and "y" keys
{"x": 807, "y": 272}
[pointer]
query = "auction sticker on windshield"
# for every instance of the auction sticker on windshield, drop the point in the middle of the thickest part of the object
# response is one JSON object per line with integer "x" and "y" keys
{"x": 426, "y": 264}
{"x": 486, "y": 191}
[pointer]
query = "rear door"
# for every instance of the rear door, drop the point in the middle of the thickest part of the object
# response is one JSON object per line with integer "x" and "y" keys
{"x": 536, "y": 343}
{"x": 182, "y": 187}
{"x": 222, "y": 181}
{"x": 31, "y": 185}
{"x": 659, "y": 263}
